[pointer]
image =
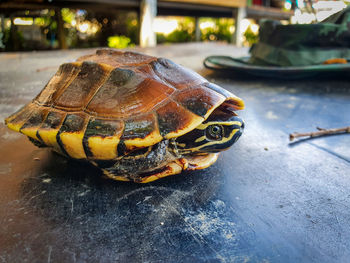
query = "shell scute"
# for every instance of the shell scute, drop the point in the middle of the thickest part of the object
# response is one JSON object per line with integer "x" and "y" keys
{"x": 19, "y": 118}
{"x": 32, "y": 124}
{"x": 235, "y": 102}
{"x": 137, "y": 95}
{"x": 174, "y": 120}
{"x": 141, "y": 131}
{"x": 65, "y": 74}
{"x": 71, "y": 134}
{"x": 199, "y": 100}
{"x": 175, "y": 74}
{"x": 103, "y": 128}
{"x": 139, "y": 127}
{"x": 53, "y": 120}
{"x": 50, "y": 126}
{"x": 83, "y": 87}
{"x": 102, "y": 138}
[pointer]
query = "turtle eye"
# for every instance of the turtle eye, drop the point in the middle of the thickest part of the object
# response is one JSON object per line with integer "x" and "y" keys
{"x": 214, "y": 132}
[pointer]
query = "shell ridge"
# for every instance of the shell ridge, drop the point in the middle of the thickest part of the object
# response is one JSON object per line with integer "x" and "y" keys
{"x": 55, "y": 95}
{"x": 161, "y": 77}
{"x": 101, "y": 83}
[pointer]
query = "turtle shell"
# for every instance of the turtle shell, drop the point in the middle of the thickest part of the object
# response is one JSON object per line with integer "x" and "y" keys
{"x": 109, "y": 103}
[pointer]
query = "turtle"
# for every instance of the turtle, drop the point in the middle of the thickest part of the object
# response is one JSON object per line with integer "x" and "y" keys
{"x": 137, "y": 117}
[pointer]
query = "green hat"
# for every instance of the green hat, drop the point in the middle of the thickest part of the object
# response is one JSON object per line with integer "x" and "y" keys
{"x": 294, "y": 51}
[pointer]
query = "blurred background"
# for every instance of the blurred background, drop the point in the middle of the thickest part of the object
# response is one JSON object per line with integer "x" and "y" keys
{"x": 64, "y": 24}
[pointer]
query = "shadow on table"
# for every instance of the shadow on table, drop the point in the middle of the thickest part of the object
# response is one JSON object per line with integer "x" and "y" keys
{"x": 175, "y": 218}
{"x": 66, "y": 189}
{"x": 321, "y": 83}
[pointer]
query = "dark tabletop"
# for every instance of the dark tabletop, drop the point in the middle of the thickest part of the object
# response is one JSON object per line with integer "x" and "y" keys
{"x": 264, "y": 200}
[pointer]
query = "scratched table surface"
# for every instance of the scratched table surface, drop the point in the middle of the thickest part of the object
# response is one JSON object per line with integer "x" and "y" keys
{"x": 264, "y": 200}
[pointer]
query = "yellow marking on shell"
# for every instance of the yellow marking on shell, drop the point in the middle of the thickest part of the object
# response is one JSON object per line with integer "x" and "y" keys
{"x": 103, "y": 148}
{"x": 49, "y": 136}
{"x": 225, "y": 139}
{"x": 203, "y": 126}
{"x": 30, "y": 132}
{"x": 73, "y": 144}
{"x": 14, "y": 126}
{"x": 196, "y": 120}
{"x": 149, "y": 140}
{"x": 78, "y": 64}
{"x": 199, "y": 139}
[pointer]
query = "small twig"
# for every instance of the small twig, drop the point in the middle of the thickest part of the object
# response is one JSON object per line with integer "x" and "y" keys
{"x": 320, "y": 132}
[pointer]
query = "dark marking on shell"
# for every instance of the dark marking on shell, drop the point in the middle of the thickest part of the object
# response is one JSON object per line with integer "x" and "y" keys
{"x": 121, "y": 148}
{"x": 39, "y": 137}
{"x": 35, "y": 119}
{"x": 173, "y": 117}
{"x": 119, "y": 77}
{"x": 58, "y": 139}
{"x": 137, "y": 128}
{"x": 37, "y": 143}
{"x": 167, "y": 122}
{"x": 82, "y": 88}
{"x": 198, "y": 99}
{"x": 197, "y": 105}
{"x": 102, "y": 128}
{"x": 86, "y": 147}
{"x": 72, "y": 123}
{"x": 53, "y": 120}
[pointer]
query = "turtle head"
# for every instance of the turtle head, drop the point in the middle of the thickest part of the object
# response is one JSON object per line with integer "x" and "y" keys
{"x": 215, "y": 134}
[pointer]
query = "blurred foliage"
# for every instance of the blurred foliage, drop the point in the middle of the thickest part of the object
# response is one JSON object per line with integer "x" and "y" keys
{"x": 16, "y": 42}
{"x": 185, "y": 32}
{"x": 220, "y": 31}
{"x": 1, "y": 40}
{"x": 119, "y": 42}
{"x": 250, "y": 36}
{"x": 119, "y": 30}
{"x": 177, "y": 36}
{"x": 68, "y": 15}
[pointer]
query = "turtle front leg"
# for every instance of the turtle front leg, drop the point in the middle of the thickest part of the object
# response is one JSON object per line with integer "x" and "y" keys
{"x": 174, "y": 167}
